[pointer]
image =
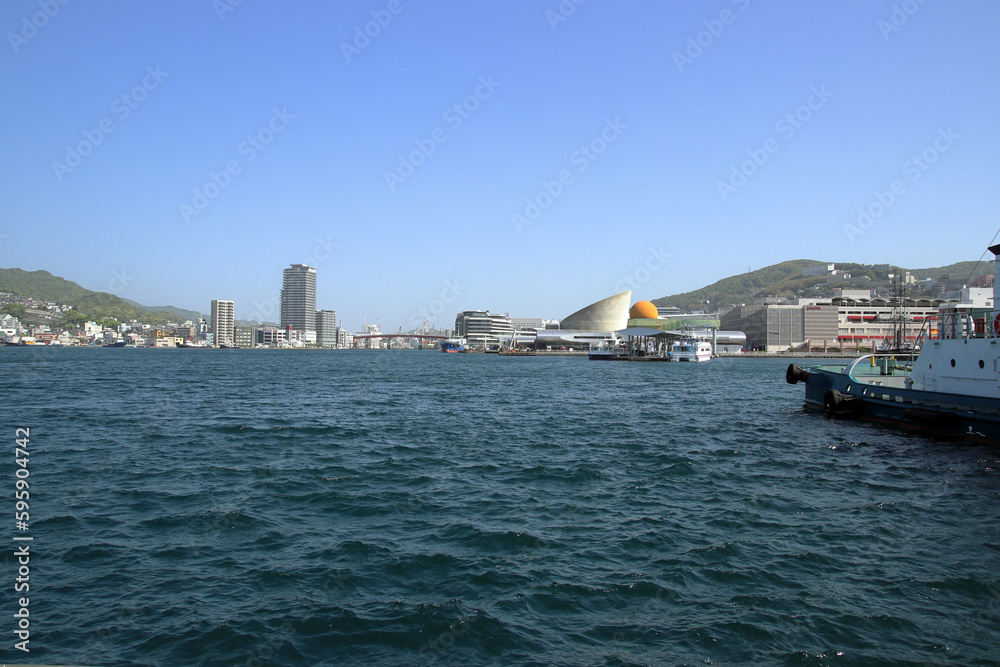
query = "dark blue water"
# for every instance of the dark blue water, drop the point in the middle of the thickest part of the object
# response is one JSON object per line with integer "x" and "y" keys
{"x": 198, "y": 507}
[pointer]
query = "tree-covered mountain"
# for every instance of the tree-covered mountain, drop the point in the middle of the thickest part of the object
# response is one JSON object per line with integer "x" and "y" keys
{"x": 86, "y": 303}
{"x": 785, "y": 280}
{"x": 182, "y": 313}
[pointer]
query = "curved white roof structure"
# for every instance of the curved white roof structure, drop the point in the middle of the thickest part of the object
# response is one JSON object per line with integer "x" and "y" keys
{"x": 608, "y": 314}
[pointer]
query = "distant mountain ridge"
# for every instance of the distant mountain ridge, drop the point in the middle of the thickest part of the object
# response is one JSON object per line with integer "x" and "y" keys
{"x": 785, "y": 280}
{"x": 182, "y": 313}
{"x": 780, "y": 280}
{"x": 44, "y": 286}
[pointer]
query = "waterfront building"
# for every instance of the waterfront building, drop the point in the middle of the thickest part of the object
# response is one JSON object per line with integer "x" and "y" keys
{"x": 298, "y": 298}
{"x": 183, "y": 331}
{"x": 593, "y": 323}
{"x": 852, "y": 319}
{"x": 610, "y": 314}
{"x": 279, "y": 337}
{"x": 245, "y": 337}
{"x": 527, "y": 323}
{"x": 326, "y": 328}
{"x": 167, "y": 341}
{"x": 223, "y": 322}
{"x": 481, "y": 329}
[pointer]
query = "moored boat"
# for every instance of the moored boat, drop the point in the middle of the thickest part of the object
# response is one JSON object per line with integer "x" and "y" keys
{"x": 951, "y": 386}
{"x": 690, "y": 349}
{"x": 453, "y": 345}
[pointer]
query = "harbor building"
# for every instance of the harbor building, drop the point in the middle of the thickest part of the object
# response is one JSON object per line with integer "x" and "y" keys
{"x": 591, "y": 324}
{"x": 279, "y": 337}
{"x": 326, "y": 328}
{"x": 245, "y": 337}
{"x": 223, "y": 323}
{"x": 298, "y": 300}
{"x": 851, "y": 319}
{"x": 528, "y": 323}
{"x": 610, "y": 314}
{"x": 481, "y": 329}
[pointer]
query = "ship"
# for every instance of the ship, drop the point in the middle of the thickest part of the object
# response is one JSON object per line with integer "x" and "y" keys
{"x": 453, "y": 345}
{"x": 690, "y": 349}
{"x": 948, "y": 385}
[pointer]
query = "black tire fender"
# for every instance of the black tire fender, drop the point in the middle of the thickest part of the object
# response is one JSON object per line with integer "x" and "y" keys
{"x": 795, "y": 374}
{"x": 832, "y": 400}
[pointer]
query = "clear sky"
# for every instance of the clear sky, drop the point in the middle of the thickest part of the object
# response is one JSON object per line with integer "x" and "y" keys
{"x": 521, "y": 157}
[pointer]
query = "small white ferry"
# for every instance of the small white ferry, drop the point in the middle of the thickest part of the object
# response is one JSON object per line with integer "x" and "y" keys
{"x": 690, "y": 349}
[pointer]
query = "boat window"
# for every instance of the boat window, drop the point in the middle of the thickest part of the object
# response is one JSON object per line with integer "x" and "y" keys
{"x": 952, "y": 363}
{"x": 982, "y": 364}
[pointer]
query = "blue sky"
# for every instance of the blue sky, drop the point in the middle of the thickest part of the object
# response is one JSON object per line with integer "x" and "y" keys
{"x": 521, "y": 157}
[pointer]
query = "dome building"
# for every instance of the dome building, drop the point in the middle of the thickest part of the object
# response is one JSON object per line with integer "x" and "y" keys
{"x": 591, "y": 324}
{"x": 643, "y": 310}
{"x": 608, "y": 314}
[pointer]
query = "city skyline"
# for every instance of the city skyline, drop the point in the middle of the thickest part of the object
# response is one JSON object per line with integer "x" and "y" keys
{"x": 425, "y": 166}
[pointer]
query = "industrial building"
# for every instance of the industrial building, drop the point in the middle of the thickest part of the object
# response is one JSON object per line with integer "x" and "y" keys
{"x": 851, "y": 319}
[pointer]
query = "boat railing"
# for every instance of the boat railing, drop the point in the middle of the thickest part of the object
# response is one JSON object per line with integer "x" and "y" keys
{"x": 886, "y": 363}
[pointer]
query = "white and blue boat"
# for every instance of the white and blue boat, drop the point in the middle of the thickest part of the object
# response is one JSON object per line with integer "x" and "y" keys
{"x": 453, "y": 345}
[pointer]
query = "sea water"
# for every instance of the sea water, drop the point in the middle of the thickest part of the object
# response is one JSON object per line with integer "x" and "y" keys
{"x": 251, "y": 507}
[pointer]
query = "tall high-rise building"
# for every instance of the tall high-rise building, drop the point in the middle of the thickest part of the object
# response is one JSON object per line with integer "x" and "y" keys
{"x": 326, "y": 328}
{"x": 298, "y": 298}
{"x": 223, "y": 322}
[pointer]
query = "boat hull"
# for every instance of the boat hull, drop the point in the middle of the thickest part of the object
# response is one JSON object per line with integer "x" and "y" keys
{"x": 945, "y": 414}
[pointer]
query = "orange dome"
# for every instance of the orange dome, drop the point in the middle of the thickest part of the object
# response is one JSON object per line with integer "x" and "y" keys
{"x": 643, "y": 310}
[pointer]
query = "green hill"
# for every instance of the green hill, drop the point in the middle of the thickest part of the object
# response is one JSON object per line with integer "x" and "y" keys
{"x": 785, "y": 281}
{"x": 93, "y": 305}
{"x": 739, "y": 288}
{"x": 182, "y": 313}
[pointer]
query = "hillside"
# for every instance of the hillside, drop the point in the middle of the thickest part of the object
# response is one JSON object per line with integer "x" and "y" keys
{"x": 94, "y": 305}
{"x": 785, "y": 280}
{"x": 182, "y": 313}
